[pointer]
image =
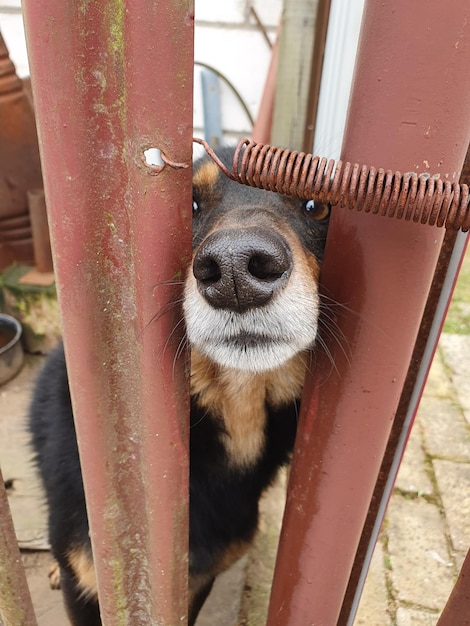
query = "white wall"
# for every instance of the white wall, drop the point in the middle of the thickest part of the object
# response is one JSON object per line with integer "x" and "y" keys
{"x": 226, "y": 38}
{"x": 11, "y": 26}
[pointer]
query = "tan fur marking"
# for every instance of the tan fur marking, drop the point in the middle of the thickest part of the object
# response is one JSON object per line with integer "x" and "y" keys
{"x": 306, "y": 262}
{"x": 196, "y": 584}
{"x": 313, "y": 265}
{"x": 234, "y": 552}
{"x": 206, "y": 176}
{"x": 284, "y": 385}
{"x": 82, "y": 564}
{"x": 238, "y": 398}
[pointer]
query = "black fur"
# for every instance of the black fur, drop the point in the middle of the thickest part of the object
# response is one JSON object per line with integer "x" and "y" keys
{"x": 223, "y": 497}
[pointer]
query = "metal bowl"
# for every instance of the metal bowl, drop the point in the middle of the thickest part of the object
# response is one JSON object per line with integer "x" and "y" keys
{"x": 11, "y": 350}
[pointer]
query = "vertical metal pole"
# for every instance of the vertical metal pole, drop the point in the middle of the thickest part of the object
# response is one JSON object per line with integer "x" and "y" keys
{"x": 409, "y": 108}
{"x": 16, "y": 608}
{"x": 457, "y": 610}
{"x": 445, "y": 277}
{"x": 264, "y": 120}
{"x": 40, "y": 228}
{"x": 112, "y": 79}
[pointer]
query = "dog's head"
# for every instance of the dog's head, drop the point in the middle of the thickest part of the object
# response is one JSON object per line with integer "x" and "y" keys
{"x": 251, "y": 295}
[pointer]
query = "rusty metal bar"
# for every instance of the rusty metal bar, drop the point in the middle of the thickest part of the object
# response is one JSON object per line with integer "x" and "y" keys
{"x": 16, "y": 608}
{"x": 112, "y": 80}
{"x": 381, "y": 271}
{"x": 40, "y": 229}
{"x": 456, "y": 612}
{"x": 423, "y": 198}
{"x": 264, "y": 119}
{"x": 450, "y": 259}
{"x": 318, "y": 53}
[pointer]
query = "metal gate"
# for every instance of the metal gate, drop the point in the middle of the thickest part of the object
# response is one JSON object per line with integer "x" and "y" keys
{"x": 103, "y": 99}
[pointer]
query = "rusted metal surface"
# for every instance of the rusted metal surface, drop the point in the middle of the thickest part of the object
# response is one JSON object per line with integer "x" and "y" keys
{"x": 423, "y": 353}
{"x": 264, "y": 120}
{"x": 412, "y": 197}
{"x": 19, "y": 164}
{"x": 318, "y": 53}
{"x": 16, "y": 608}
{"x": 40, "y": 229}
{"x": 380, "y": 271}
{"x": 111, "y": 80}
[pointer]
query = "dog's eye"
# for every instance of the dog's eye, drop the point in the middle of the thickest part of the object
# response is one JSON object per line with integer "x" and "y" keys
{"x": 319, "y": 211}
{"x": 196, "y": 208}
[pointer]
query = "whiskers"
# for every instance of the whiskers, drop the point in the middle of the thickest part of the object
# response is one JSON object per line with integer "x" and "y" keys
{"x": 173, "y": 307}
{"x": 200, "y": 420}
{"x": 331, "y": 337}
{"x": 336, "y": 316}
{"x": 170, "y": 305}
{"x": 181, "y": 348}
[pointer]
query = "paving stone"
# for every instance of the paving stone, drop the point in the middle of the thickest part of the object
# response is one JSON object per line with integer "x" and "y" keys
{"x": 223, "y": 604}
{"x": 421, "y": 570}
{"x": 453, "y": 481}
{"x": 445, "y": 431}
{"x": 373, "y": 607}
{"x": 412, "y": 476}
{"x": 14, "y": 403}
{"x": 456, "y": 349}
{"x": 262, "y": 556}
{"x": 26, "y": 498}
{"x": 438, "y": 383}
{"x": 459, "y": 558}
{"x": 48, "y": 603}
{"x": 412, "y": 617}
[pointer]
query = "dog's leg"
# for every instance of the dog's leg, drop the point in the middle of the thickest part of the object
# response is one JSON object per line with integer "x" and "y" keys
{"x": 82, "y": 611}
{"x": 197, "y": 597}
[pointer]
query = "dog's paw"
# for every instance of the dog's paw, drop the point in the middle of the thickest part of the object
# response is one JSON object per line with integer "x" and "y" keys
{"x": 54, "y": 576}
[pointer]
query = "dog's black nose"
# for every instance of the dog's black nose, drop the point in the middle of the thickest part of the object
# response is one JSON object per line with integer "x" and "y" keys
{"x": 239, "y": 269}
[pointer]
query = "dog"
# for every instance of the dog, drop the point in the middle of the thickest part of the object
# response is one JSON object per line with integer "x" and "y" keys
{"x": 251, "y": 307}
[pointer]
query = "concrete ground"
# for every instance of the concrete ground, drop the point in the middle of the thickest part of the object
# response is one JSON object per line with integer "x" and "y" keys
{"x": 422, "y": 543}
{"x": 426, "y": 533}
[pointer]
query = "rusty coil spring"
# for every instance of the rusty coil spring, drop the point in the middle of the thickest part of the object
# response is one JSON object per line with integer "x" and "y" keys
{"x": 420, "y": 198}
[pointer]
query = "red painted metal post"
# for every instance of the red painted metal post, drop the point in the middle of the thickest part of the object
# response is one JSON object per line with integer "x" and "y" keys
{"x": 262, "y": 127}
{"x": 410, "y": 109}
{"x": 457, "y": 610}
{"x": 112, "y": 79}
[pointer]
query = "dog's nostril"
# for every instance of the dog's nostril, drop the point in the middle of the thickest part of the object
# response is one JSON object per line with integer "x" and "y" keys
{"x": 266, "y": 267}
{"x": 207, "y": 270}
